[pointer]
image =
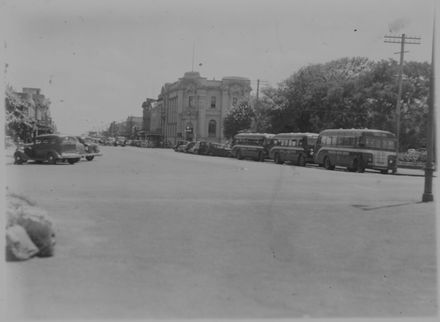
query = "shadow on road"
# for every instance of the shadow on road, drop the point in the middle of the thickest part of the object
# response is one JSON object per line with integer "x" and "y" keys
{"x": 369, "y": 208}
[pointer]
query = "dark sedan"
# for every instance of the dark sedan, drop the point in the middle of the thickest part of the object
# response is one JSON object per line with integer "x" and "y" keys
{"x": 51, "y": 148}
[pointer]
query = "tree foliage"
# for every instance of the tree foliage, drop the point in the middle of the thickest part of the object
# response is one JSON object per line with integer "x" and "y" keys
{"x": 17, "y": 119}
{"x": 239, "y": 118}
{"x": 352, "y": 93}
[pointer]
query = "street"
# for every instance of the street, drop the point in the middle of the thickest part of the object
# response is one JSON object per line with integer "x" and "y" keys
{"x": 152, "y": 233}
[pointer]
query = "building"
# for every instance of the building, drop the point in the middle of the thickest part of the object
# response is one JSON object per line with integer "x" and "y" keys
{"x": 193, "y": 108}
{"x": 38, "y": 110}
{"x": 152, "y": 112}
{"x": 133, "y": 126}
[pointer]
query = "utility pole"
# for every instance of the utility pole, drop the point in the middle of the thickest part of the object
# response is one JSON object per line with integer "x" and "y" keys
{"x": 258, "y": 89}
{"x": 402, "y": 40}
{"x": 430, "y": 128}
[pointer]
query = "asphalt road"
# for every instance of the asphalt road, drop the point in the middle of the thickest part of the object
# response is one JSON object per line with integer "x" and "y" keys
{"x": 151, "y": 233}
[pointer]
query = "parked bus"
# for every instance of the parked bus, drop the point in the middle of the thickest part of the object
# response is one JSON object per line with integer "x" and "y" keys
{"x": 251, "y": 145}
{"x": 356, "y": 149}
{"x": 295, "y": 147}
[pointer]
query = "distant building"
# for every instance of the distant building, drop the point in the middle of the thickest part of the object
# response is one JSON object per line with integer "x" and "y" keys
{"x": 193, "y": 108}
{"x": 133, "y": 126}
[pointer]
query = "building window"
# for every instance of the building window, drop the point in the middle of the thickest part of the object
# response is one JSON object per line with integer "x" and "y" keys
{"x": 213, "y": 101}
{"x": 191, "y": 101}
{"x": 234, "y": 101}
{"x": 212, "y": 128}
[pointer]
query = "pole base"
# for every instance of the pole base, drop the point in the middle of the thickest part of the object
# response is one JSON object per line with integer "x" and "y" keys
{"x": 427, "y": 197}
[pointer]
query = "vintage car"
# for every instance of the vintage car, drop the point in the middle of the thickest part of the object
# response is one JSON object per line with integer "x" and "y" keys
{"x": 91, "y": 149}
{"x": 218, "y": 149}
{"x": 180, "y": 144}
{"x": 51, "y": 148}
{"x": 188, "y": 147}
{"x": 201, "y": 147}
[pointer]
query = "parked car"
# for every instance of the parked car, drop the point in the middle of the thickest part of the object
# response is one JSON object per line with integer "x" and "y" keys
{"x": 189, "y": 146}
{"x": 120, "y": 141}
{"x": 91, "y": 149}
{"x": 218, "y": 149}
{"x": 201, "y": 147}
{"x": 179, "y": 143}
{"x": 181, "y": 147}
{"x": 51, "y": 148}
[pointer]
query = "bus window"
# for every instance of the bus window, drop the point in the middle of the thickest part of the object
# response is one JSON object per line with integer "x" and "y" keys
{"x": 372, "y": 142}
{"x": 388, "y": 144}
{"x": 293, "y": 143}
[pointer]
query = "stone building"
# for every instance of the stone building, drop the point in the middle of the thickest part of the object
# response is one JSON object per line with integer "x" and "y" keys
{"x": 193, "y": 107}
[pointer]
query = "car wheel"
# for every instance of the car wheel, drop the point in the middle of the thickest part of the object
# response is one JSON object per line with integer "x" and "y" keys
{"x": 51, "y": 159}
{"x": 90, "y": 158}
{"x": 301, "y": 161}
{"x": 18, "y": 159}
{"x": 327, "y": 164}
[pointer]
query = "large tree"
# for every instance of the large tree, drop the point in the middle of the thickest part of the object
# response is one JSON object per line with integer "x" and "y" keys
{"x": 239, "y": 118}
{"x": 352, "y": 93}
{"x": 18, "y": 123}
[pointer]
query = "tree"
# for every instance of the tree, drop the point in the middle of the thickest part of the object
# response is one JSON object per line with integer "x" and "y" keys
{"x": 352, "y": 93}
{"x": 238, "y": 118}
{"x": 18, "y": 123}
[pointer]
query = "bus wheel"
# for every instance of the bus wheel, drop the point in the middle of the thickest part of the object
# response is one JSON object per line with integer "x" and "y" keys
{"x": 301, "y": 161}
{"x": 260, "y": 156}
{"x": 327, "y": 164}
{"x": 384, "y": 171}
{"x": 239, "y": 156}
{"x": 277, "y": 159}
{"x": 357, "y": 166}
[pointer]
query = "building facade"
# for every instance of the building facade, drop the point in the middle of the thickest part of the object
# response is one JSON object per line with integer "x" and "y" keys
{"x": 193, "y": 108}
{"x": 37, "y": 111}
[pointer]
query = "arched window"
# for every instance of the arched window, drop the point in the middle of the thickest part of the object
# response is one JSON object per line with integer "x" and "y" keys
{"x": 212, "y": 128}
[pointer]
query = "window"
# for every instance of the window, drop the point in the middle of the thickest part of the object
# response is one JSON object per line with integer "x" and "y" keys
{"x": 388, "y": 144}
{"x": 212, "y": 128}
{"x": 191, "y": 101}
{"x": 213, "y": 101}
{"x": 234, "y": 101}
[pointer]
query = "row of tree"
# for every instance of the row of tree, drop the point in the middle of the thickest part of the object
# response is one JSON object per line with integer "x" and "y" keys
{"x": 344, "y": 93}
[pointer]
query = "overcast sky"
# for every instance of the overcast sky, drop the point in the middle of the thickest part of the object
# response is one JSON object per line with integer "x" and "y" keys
{"x": 97, "y": 61}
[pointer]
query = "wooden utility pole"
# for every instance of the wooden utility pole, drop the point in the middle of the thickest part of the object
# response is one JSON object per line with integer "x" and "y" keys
{"x": 430, "y": 129}
{"x": 402, "y": 40}
{"x": 258, "y": 89}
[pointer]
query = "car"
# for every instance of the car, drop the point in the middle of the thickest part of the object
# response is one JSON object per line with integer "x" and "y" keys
{"x": 91, "y": 149}
{"x": 188, "y": 147}
{"x": 182, "y": 147}
{"x": 201, "y": 147}
{"x": 51, "y": 148}
{"x": 218, "y": 149}
{"x": 120, "y": 141}
{"x": 179, "y": 143}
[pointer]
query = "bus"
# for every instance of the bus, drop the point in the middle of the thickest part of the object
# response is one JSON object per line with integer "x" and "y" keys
{"x": 251, "y": 145}
{"x": 295, "y": 147}
{"x": 357, "y": 150}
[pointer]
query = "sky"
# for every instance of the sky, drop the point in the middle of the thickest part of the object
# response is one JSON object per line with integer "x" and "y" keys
{"x": 97, "y": 61}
